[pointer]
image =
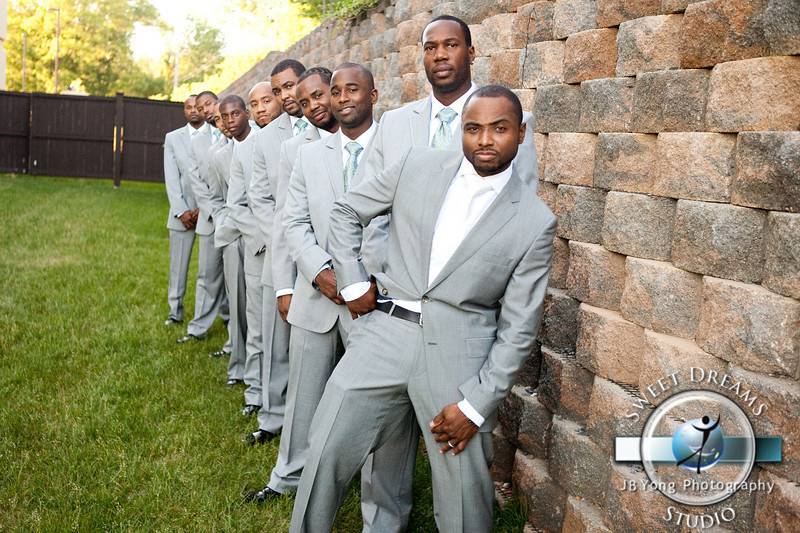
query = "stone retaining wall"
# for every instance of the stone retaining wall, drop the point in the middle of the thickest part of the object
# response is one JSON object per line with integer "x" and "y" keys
{"x": 668, "y": 148}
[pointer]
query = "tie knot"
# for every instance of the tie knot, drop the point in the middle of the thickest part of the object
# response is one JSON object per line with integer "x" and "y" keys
{"x": 300, "y": 126}
{"x": 446, "y": 115}
{"x": 353, "y": 148}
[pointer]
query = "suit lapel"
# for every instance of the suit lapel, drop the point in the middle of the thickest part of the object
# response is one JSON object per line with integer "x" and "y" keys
{"x": 430, "y": 211}
{"x": 503, "y": 209}
{"x": 420, "y": 119}
{"x": 284, "y": 127}
{"x": 333, "y": 164}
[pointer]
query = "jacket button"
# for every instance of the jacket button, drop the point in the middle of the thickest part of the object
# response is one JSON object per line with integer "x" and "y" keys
{"x": 425, "y": 299}
{"x": 384, "y": 291}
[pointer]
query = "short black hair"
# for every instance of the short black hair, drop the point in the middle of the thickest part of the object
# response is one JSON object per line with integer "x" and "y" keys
{"x": 364, "y": 70}
{"x": 451, "y": 18}
{"x": 324, "y": 73}
{"x": 498, "y": 91}
{"x": 234, "y": 99}
{"x": 209, "y": 93}
{"x": 297, "y": 67}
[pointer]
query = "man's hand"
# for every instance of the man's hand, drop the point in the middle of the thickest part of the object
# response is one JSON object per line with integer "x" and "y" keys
{"x": 452, "y": 427}
{"x": 284, "y": 302}
{"x": 365, "y": 303}
{"x": 326, "y": 281}
{"x": 187, "y": 220}
{"x": 195, "y": 215}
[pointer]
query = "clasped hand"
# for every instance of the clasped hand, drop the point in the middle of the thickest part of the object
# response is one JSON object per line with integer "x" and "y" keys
{"x": 452, "y": 427}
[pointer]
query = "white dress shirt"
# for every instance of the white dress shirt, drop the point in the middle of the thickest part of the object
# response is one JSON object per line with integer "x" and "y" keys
{"x": 194, "y": 131}
{"x": 466, "y": 200}
{"x": 457, "y": 106}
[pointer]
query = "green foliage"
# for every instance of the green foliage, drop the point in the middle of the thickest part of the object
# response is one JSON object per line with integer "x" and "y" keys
{"x": 94, "y": 45}
{"x": 106, "y": 423}
{"x": 341, "y": 9}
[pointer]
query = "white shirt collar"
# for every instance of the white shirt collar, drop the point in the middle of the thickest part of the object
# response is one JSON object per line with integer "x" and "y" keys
{"x": 495, "y": 181}
{"x": 456, "y": 106}
{"x": 362, "y": 139}
{"x": 249, "y": 134}
{"x": 194, "y": 131}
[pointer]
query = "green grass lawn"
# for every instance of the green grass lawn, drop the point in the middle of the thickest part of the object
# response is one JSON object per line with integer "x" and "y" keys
{"x": 106, "y": 423}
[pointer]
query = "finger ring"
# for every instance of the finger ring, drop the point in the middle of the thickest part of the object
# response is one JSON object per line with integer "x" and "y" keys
{"x": 451, "y": 444}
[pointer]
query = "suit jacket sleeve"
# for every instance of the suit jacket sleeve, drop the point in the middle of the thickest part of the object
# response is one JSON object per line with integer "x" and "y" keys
{"x": 261, "y": 197}
{"x": 302, "y": 242}
{"x": 284, "y": 271}
{"x": 351, "y": 213}
{"x": 202, "y": 193}
{"x": 517, "y": 326}
{"x": 218, "y": 206}
{"x": 172, "y": 179}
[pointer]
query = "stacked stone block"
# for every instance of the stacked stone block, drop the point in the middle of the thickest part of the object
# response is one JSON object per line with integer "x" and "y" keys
{"x": 668, "y": 145}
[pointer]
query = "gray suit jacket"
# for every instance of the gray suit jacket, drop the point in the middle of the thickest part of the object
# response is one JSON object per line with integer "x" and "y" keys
{"x": 266, "y": 162}
{"x": 283, "y": 268}
{"x": 315, "y": 185}
{"x": 409, "y": 126}
{"x": 482, "y": 312}
{"x": 240, "y": 212}
{"x": 178, "y": 162}
{"x": 226, "y": 231}
{"x": 203, "y": 195}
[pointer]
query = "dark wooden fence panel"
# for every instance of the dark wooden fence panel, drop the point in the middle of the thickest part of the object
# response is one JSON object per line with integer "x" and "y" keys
{"x": 145, "y": 124}
{"x": 85, "y": 136}
{"x": 72, "y": 135}
{"x": 14, "y": 130}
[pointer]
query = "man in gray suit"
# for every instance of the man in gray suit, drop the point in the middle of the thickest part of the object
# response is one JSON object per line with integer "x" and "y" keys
{"x": 271, "y": 369}
{"x": 228, "y": 239}
{"x": 182, "y": 218}
{"x": 436, "y": 119}
{"x": 236, "y": 117}
{"x": 459, "y": 304}
{"x": 210, "y": 299}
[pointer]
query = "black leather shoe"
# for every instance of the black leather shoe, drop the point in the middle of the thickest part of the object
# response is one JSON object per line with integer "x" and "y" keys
{"x": 260, "y": 496}
{"x": 218, "y": 353}
{"x": 233, "y": 382}
{"x": 188, "y": 338}
{"x": 259, "y": 437}
{"x": 250, "y": 409}
{"x": 172, "y": 322}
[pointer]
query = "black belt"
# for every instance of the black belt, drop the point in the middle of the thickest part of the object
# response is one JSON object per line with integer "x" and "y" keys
{"x": 392, "y": 309}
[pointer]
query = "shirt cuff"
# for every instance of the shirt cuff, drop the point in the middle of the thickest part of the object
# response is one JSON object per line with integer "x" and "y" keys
{"x": 283, "y": 292}
{"x": 355, "y": 291}
{"x": 471, "y": 413}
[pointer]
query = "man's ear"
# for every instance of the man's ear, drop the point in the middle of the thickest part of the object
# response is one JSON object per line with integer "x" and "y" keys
{"x": 522, "y": 128}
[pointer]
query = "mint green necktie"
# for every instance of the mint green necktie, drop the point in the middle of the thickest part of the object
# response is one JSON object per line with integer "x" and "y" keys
{"x": 443, "y": 136}
{"x": 300, "y": 126}
{"x": 354, "y": 149}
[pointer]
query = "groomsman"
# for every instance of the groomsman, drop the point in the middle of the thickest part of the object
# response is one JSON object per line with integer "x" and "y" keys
{"x": 456, "y": 312}
{"x": 320, "y": 321}
{"x": 236, "y": 117}
{"x": 435, "y": 121}
{"x": 228, "y": 239}
{"x": 269, "y": 371}
{"x": 183, "y": 213}
{"x": 209, "y": 291}
{"x": 264, "y": 106}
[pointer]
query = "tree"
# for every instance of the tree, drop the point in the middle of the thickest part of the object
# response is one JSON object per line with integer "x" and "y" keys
{"x": 94, "y": 45}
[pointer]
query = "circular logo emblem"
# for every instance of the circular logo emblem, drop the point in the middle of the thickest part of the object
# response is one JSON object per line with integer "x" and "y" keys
{"x": 697, "y": 446}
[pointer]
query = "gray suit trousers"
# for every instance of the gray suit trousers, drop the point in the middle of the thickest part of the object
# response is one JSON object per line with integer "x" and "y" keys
{"x": 180, "y": 254}
{"x": 382, "y": 378}
{"x": 386, "y": 477}
{"x": 209, "y": 290}
{"x": 274, "y": 364}
{"x": 253, "y": 265}
{"x": 233, "y": 262}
